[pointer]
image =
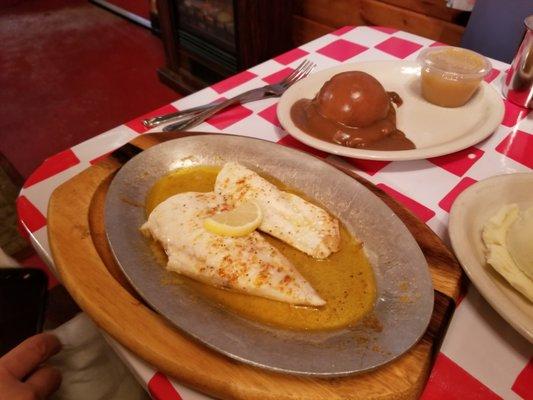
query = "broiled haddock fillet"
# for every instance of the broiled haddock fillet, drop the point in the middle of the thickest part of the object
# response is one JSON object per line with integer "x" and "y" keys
{"x": 286, "y": 216}
{"x": 247, "y": 264}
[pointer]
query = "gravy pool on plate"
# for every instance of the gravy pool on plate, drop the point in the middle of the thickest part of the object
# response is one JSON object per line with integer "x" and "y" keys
{"x": 344, "y": 280}
{"x": 352, "y": 109}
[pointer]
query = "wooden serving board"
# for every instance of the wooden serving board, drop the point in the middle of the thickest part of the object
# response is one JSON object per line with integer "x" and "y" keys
{"x": 90, "y": 273}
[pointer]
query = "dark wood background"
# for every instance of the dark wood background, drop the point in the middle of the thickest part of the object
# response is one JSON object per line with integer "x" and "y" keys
{"x": 428, "y": 18}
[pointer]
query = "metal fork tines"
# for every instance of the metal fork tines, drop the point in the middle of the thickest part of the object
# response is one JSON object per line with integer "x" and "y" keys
{"x": 192, "y": 117}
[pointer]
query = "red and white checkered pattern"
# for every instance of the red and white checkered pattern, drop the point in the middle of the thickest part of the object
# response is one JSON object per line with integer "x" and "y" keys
{"x": 481, "y": 357}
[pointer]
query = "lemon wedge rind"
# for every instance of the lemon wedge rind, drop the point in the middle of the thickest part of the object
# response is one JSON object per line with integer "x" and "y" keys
{"x": 240, "y": 221}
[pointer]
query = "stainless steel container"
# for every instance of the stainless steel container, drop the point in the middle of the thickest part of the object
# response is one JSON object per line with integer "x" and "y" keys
{"x": 518, "y": 84}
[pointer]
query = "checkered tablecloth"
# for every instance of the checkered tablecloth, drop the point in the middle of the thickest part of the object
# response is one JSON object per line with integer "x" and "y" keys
{"x": 481, "y": 357}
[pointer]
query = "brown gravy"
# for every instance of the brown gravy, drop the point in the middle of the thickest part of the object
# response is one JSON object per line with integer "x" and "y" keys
{"x": 381, "y": 135}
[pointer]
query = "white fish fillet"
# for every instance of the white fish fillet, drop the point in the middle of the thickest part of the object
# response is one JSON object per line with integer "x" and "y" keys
{"x": 247, "y": 264}
{"x": 286, "y": 216}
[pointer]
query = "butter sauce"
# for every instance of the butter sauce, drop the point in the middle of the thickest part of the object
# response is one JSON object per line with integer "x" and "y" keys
{"x": 345, "y": 279}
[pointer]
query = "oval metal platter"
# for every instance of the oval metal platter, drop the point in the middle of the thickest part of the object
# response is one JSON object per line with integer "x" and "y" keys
{"x": 392, "y": 251}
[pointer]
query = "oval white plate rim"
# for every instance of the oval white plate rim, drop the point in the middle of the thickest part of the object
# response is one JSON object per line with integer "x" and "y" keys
{"x": 481, "y": 280}
{"x": 463, "y": 142}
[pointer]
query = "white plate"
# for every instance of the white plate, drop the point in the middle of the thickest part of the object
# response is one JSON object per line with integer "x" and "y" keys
{"x": 468, "y": 215}
{"x": 434, "y": 130}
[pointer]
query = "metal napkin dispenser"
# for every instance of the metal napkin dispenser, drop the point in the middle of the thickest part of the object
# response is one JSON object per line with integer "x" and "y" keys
{"x": 518, "y": 83}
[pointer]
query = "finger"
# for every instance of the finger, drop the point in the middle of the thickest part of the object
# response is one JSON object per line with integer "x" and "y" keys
{"x": 45, "y": 381}
{"x": 28, "y": 355}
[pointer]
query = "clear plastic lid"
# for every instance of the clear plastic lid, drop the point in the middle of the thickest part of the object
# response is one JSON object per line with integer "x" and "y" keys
{"x": 455, "y": 61}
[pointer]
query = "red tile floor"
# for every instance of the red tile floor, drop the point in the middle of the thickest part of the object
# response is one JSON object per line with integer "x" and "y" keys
{"x": 70, "y": 70}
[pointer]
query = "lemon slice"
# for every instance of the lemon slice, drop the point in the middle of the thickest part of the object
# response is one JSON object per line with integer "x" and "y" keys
{"x": 240, "y": 221}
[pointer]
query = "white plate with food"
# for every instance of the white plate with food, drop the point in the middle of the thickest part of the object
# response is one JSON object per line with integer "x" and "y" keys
{"x": 322, "y": 279}
{"x": 430, "y": 130}
{"x": 491, "y": 230}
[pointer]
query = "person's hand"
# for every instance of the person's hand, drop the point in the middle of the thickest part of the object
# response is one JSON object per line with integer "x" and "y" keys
{"x": 22, "y": 375}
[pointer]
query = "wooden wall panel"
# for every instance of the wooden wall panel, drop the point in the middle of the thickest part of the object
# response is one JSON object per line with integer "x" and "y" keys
{"x": 375, "y": 12}
{"x": 335, "y": 13}
{"x": 428, "y": 18}
{"x": 432, "y": 8}
{"x": 304, "y": 30}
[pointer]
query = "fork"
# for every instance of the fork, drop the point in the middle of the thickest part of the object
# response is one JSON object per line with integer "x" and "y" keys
{"x": 252, "y": 95}
{"x": 178, "y": 115}
{"x": 274, "y": 90}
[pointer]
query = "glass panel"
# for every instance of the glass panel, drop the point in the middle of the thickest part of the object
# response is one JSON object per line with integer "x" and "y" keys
{"x": 212, "y": 20}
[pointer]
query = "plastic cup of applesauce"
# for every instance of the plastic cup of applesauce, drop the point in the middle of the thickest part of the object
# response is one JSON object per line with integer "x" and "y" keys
{"x": 451, "y": 75}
